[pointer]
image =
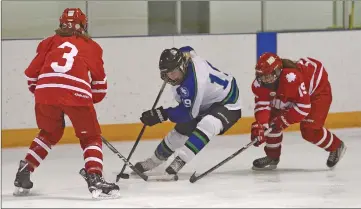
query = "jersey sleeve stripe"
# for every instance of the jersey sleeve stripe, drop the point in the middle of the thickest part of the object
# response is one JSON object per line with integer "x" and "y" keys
{"x": 318, "y": 80}
{"x": 263, "y": 103}
{"x": 31, "y": 79}
{"x": 233, "y": 94}
{"x": 100, "y": 82}
{"x": 262, "y": 108}
{"x": 314, "y": 72}
{"x": 99, "y": 90}
{"x": 194, "y": 111}
{"x": 303, "y": 105}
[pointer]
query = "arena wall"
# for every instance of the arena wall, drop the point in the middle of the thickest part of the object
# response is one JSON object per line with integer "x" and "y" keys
{"x": 134, "y": 82}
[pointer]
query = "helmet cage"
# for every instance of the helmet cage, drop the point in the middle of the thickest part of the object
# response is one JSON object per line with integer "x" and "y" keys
{"x": 164, "y": 76}
{"x": 268, "y": 78}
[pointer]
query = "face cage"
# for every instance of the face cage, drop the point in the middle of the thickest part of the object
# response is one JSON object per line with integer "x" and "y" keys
{"x": 269, "y": 78}
{"x": 176, "y": 82}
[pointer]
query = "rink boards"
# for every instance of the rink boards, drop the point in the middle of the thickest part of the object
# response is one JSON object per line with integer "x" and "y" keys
{"x": 133, "y": 79}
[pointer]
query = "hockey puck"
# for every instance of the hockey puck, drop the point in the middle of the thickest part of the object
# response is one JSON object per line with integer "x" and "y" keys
{"x": 124, "y": 176}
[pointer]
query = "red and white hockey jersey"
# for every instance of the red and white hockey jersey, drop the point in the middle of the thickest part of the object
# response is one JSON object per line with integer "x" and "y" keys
{"x": 296, "y": 89}
{"x": 67, "y": 71}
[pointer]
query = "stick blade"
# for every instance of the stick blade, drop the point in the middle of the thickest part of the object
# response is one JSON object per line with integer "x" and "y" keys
{"x": 193, "y": 178}
{"x": 123, "y": 176}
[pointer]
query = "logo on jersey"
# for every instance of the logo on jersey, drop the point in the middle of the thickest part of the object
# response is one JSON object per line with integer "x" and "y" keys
{"x": 256, "y": 84}
{"x": 183, "y": 91}
{"x": 272, "y": 93}
{"x": 291, "y": 77}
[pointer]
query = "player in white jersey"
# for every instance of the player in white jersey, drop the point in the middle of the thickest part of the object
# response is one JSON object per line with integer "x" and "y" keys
{"x": 209, "y": 104}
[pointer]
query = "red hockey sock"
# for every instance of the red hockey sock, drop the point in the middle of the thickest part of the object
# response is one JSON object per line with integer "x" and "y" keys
{"x": 273, "y": 145}
{"x": 37, "y": 152}
{"x": 93, "y": 157}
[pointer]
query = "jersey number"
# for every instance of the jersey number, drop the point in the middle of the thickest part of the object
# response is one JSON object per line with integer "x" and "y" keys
{"x": 219, "y": 81}
{"x": 187, "y": 103}
{"x": 302, "y": 89}
{"x": 68, "y": 56}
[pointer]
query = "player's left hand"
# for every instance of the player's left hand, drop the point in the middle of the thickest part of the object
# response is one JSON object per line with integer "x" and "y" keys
{"x": 154, "y": 116}
{"x": 279, "y": 123}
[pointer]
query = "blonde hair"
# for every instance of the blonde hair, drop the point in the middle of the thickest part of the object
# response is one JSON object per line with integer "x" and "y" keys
{"x": 286, "y": 63}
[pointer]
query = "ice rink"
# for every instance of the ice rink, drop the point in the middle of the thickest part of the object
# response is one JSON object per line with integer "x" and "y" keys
{"x": 302, "y": 179}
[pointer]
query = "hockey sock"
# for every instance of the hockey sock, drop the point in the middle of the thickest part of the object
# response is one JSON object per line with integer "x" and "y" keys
{"x": 93, "y": 157}
{"x": 196, "y": 142}
{"x": 326, "y": 140}
{"x": 37, "y": 152}
{"x": 163, "y": 151}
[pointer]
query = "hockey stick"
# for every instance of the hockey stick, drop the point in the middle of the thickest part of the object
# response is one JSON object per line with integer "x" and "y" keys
{"x": 115, "y": 151}
{"x": 122, "y": 174}
{"x": 195, "y": 178}
{"x": 131, "y": 166}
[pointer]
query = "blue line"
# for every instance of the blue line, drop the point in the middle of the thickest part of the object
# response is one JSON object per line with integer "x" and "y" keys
{"x": 266, "y": 42}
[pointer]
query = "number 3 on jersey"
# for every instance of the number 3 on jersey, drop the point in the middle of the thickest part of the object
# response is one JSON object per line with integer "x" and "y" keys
{"x": 68, "y": 56}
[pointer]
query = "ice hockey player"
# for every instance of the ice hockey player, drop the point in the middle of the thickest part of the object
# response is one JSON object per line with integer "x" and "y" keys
{"x": 209, "y": 104}
{"x": 288, "y": 92}
{"x": 58, "y": 77}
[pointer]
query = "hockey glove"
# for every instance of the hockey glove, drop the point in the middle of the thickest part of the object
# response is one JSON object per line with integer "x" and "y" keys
{"x": 279, "y": 123}
{"x": 154, "y": 116}
{"x": 257, "y": 133}
{"x": 31, "y": 86}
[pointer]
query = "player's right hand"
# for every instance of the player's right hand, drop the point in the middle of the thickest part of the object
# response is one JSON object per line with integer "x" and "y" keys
{"x": 257, "y": 133}
{"x": 154, "y": 116}
{"x": 32, "y": 86}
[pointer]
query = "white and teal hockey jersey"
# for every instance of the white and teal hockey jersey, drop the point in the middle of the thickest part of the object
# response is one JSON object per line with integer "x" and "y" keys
{"x": 202, "y": 86}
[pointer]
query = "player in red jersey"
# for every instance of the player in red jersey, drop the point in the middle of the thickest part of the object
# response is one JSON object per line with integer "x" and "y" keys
{"x": 288, "y": 92}
{"x": 67, "y": 78}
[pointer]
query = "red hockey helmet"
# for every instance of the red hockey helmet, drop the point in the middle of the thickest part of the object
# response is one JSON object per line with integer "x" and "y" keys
{"x": 74, "y": 19}
{"x": 268, "y": 67}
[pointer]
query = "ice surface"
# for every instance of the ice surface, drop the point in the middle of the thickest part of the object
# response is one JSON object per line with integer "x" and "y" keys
{"x": 302, "y": 179}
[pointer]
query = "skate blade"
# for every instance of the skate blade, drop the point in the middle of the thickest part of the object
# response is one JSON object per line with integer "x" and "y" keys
{"x": 99, "y": 195}
{"x": 21, "y": 192}
{"x": 267, "y": 168}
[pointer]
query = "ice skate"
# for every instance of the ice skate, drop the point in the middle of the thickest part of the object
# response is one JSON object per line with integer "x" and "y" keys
{"x": 148, "y": 164}
{"x": 265, "y": 163}
{"x": 22, "y": 181}
{"x": 175, "y": 166}
{"x": 335, "y": 157}
{"x": 99, "y": 187}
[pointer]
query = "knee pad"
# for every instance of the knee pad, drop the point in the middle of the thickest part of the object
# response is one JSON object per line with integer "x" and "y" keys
{"x": 175, "y": 140}
{"x": 210, "y": 126}
{"x": 226, "y": 116}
